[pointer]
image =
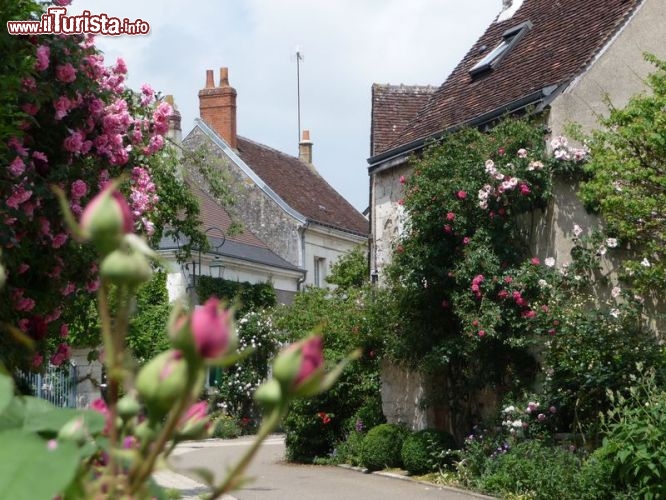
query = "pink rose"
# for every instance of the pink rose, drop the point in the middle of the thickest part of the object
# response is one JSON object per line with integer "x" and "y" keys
{"x": 211, "y": 329}
{"x": 43, "y": 54}
{"x": 17, "y": 167}
{"x": 461, "y": 195}
{"x": 79, "y": 189}
{"x": 66, "y": 73}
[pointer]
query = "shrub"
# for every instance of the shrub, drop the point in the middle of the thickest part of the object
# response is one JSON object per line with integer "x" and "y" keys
{"x": 342, "y": 319}
{"x": 382, "y": 446}
{"x": 349, "y": 450}
{"x": 369, "y": 414}
{"x": 226, "y": 427}
{"x": 308, "y": 433}
{"x": 426, "y": 451}
{"x": 535, "y": 470}
{"x": 635, "y": 436}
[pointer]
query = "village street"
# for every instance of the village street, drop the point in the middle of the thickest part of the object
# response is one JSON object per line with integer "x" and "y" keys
{"x": 273, "y": 478}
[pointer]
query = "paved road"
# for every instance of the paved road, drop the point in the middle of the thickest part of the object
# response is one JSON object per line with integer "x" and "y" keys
{"x": 274, "y": 479}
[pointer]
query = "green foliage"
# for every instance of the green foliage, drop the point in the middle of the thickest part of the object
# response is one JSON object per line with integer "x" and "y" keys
{"x": 247, "y": 296}
{"x": 627, "y": 178}
{"x": 349, "y": 450}
{"x": 307, "y": 434}
{"x": 32, "y": 446}
{"x": 147, "y": 334}
{"x": 226, "y": 427}
{"x": 236, "y": 385}
{"x": 427, "y": 451}
{"x": 340, "y": 317}
{"x": 635, "y": 436}
{"x": 534, "y": 470}
{"x": 382, "y": 447}
{"x": 350, "y": 270}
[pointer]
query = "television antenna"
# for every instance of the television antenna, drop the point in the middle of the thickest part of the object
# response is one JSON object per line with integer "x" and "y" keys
{"x": 299, "y": 58}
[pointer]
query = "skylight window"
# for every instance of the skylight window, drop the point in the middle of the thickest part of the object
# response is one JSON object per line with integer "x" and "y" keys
{"x": 509, "y": 39}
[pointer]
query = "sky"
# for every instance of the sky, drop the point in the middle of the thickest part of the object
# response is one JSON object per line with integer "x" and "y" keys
{"x": 347, "y": 45}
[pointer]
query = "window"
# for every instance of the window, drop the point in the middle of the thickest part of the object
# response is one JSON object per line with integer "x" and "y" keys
{"x": 319, "y": 271}
{"x": 509, "y": 38}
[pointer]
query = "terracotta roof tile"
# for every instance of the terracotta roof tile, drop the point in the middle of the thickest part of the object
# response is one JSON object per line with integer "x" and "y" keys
{"x": 393, "y": 106}
{"x": 302, "y": 188}
{"x": 565, "y": 37}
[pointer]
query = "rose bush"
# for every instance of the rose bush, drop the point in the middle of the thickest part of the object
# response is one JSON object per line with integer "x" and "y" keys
{"x": 68, "y": 120}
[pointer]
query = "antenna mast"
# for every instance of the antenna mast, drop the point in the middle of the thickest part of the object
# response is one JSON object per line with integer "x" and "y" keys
{"x": 299, "y": 57}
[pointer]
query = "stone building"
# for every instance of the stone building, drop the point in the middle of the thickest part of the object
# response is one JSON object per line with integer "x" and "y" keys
{"x": 563, "y": 60}
{"x": 294, "y": 224}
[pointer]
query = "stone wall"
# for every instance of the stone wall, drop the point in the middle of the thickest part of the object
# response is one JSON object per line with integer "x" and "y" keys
{"x": 89, "y": 378}
{"x": 252, "y": 206}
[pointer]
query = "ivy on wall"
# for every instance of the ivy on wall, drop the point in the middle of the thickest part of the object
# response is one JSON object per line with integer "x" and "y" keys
{"x": 245, "y": 295}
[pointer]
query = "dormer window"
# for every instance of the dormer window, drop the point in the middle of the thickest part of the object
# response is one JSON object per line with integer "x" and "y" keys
{"x": 509, "y": 38}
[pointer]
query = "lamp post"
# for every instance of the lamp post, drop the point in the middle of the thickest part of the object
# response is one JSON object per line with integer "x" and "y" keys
{"x": 215, "y": 266}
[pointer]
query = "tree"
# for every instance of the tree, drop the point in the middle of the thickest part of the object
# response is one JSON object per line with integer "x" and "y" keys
{"x": 350, "y": 270}
{"x": 627, "y": 181}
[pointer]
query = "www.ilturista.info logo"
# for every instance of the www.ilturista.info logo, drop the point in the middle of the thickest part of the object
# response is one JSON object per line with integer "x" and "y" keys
{"x": 56, "y": 22}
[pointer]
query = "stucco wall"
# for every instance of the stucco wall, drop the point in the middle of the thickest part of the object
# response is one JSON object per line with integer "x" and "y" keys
{"x": 616, "y": 75}
{"x": 328, "y": 244}
{"x": 403, "y": 396}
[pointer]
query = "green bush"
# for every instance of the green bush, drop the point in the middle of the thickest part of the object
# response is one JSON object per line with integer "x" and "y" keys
{"x": 426, "y": 451}
{"x": 534, "y": 470}
{"x": 349, "y": 450}
{"x": 308, "y": 435}
{"x": 382, "y": 446}
{"x": 226, "y": 427}
{"x": 341, "y": 318}
{"x": 635, "y": 437}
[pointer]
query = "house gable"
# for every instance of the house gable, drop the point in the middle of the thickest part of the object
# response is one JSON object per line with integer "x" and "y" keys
{"x": 564, "y": 38}
{"x": 393, "y": 106}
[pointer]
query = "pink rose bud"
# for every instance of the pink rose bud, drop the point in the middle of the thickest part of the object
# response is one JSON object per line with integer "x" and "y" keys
{"x": 161, "y": 382}
{"x": 313, "y": 359}
{"x": 211, "y": 329}
{"x": 106, "y": 218}
{"x": 195, "y": 423}
{"x": 300, "y": 367}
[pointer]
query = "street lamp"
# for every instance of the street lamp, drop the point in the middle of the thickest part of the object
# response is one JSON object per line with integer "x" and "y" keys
{"x": 216, "y": 265}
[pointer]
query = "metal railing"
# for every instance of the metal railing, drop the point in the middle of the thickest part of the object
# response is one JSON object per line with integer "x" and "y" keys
{"x": 56, "y": 385}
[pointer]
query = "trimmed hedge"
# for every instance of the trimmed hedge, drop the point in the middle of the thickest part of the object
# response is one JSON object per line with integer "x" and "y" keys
{"x": 423, "y": 451}
{"x": 382, "y": 446}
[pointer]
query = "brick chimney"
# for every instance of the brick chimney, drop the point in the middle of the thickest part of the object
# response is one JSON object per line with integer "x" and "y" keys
{"x": 217, "y": 106}
{"x": 305, "y": 148}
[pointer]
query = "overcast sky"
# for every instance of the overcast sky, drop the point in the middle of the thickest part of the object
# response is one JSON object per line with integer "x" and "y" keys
{"x": 347, "y": 45}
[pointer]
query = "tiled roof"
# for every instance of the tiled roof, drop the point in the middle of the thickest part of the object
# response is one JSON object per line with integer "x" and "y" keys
{"x": 565, "y": 37}
{"x": 393, "y": 106}
{"x": 301, "y": 188}
{"x": 244, "y": 245}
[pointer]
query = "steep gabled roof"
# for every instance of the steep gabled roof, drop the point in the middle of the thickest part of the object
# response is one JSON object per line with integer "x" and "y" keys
{"x": 564, "y": 38}
{"x": 214, "y": 215}
{"x": 301, "y": 188}
{"x": 393, "y": 106}
{"x": 245, "y": 245}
